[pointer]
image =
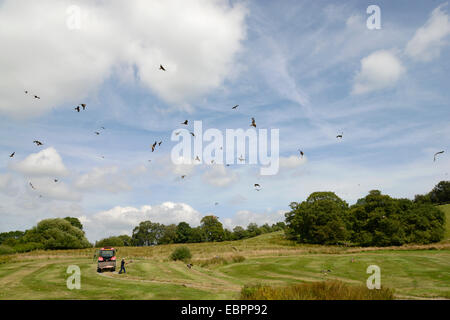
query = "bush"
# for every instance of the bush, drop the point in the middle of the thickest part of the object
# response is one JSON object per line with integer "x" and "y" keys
{"x": 181, "y": 253}
{"x": 321, "y": 290}
{"x": 6, "y": 249}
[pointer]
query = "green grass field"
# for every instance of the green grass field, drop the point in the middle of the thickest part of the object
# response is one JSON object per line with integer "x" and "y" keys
{"x": 413, "y": 271}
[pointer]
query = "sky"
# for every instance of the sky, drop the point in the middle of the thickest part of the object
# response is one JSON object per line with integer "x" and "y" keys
{"x": 311, "y": 69}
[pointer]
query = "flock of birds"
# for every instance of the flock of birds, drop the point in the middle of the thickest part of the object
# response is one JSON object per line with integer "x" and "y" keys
{"x": 257, "y": 186}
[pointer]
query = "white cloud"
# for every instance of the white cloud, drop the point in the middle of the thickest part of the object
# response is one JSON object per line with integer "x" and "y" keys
{"x": 122, "y": 220}
{"x": 107, "y": 178}
{"x": 219, "y": 176}
{"x": 379, "y": 70}
{"x": 430, "y": 38}
{"x": 44, "y": 163}
{"x": 65, "y": 66}
{"x": 244, "y": 218}
{"x": 49, "y": 189}
{"x": 7, "y": 185}
{"x": 292, "y": 161}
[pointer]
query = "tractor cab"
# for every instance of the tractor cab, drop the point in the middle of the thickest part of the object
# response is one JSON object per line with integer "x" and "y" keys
{"x": 106, "y": 259}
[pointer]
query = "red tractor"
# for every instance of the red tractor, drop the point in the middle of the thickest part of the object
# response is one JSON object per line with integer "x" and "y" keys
{"x": 106, "y": 259}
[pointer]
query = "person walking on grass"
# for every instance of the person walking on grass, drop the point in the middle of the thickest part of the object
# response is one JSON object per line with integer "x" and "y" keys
{"x": 122, "y": 267}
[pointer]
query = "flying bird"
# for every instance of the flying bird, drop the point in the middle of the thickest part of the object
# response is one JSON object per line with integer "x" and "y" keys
{"x": 301, "y": 153}
{"x": 56, "y": 180}
{"x": 38, "y": 143}
{"x": 97, "y": 133}
{"x": 26, "y": 92}
{"x": 159, "y": 143}
{"x": 185, "y": 122}
{"x": 32, "y": 186}
{"x": 253, "y": 123}
{"x": 197, "y": 158}
{"x": 183, "y": 176}
{"x": 102, "y": 128}
{"x": 212, "y": 161}
{"x": 235, "y": 107}
{"x": 161, "y": 68}
{"x": 339, "y": 136}
{"x": 84, "y": 106}
{"x": 36, "y": 97}
{"x": 177, "y": 133}
{"x": 257, "y": 187}
{"x": 241, "y": 158}
{"x": 437, "y": 154}
{"x": 12, "y": 154}
{"x": 192, "y": 134}
{"x": 77, "y": 108}
{"x": 154, "y": 146}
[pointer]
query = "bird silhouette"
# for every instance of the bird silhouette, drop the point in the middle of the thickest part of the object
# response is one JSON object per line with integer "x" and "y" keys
{"x": 183, "y": 176}
{"x": 253, "y": 123}
{"x": 32, "y": 186}
{"x": 38, "y": 143}
{"x": 434, "y": 159}
{"x": 177, "y": 133}
{"x": 185, "y": 122}
{"x": 235, "y": 107}
{"x": 161, "y": 68}
{"x": 197, "y": 158}
{"x": 301, "y": 153}
{"x": 56, "y": 180}
{"x": 216, "y": 203}
{"x": 192, "y": 134}
{"x": 12, "y": 154}
{"x": 77, "y": 108}
{"x": 26, "y": 92}
{"x": 97, "y": 133}
{"x": 339, "y": 136}
{"x": 154, "y": 146}
{"x": 36, "y": 97}
{"x": 159, "y": 143}
{"x": 84, "y": 106}
{"x": 241, "y": 158}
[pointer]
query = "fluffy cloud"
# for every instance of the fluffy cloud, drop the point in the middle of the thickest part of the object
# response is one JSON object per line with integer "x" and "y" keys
{"x": 122, "y": 220}
{"x": 44, "y": 163}
{"x": 379, "y": 70}
{"x": 244, "y": 218}
{"x": 430, "y": 38}
{"x": 219, "y": 176}
{"x": 292, "y": 162}
{"x": 71, "y": 50}
{"x": 7, "y": 184}
{"x": 108, "y": 178}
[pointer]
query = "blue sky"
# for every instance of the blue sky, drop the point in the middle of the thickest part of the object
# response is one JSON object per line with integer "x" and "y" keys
{"x": 310, "y": 69}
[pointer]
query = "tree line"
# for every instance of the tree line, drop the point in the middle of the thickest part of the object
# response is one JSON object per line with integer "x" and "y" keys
{"x": 149, "y": 233}
{"x": 375, "y": 220}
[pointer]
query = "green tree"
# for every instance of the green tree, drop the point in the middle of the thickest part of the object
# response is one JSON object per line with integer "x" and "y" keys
{"x": 56, "y": 234}
{"x": 239, "y": 233}
{"x": 169, "y": 234}
{"x": 147, "y": 233}
{"x": 253, "y": 230}
{"x": 212, "y": 228}
{"x": 111, "y": 242}
{"x": 184, "y": 232}
{"x": 197, "y": 235}
{"x": 321, "y": 219}
{"x": 75, "y": 222}
{"x": 441, "y": 193}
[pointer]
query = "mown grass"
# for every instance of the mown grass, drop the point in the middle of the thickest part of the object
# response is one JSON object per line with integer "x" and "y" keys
{"x": 221, "y": 270}
{"x": 323, "y": 290}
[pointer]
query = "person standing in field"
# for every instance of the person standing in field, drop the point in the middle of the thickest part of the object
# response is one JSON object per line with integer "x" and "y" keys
{"x": 122, "y": 266}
